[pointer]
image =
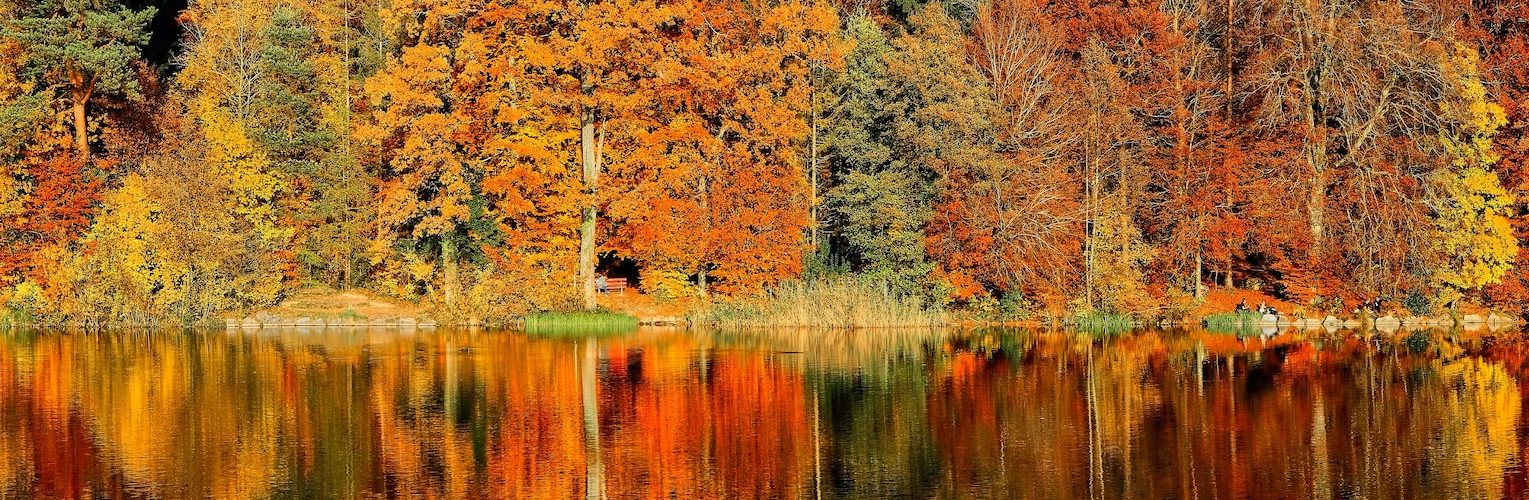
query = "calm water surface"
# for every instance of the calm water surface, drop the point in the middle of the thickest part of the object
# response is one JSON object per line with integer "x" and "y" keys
{"x": 667, "y": 413}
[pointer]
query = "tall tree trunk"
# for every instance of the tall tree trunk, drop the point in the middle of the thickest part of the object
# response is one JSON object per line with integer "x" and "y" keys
{"x": 449, "y": 268}
{"x": 1316, "y": 210}
{"x": 1316, "y": 145}
{"x": 700, "y": 280}
{"x": 1316, "y": 158}
{"x": 1088, "y": 212}
{"x": 1199, "y": 274}
{"x": 812, "y": 175}
{"x": 591, "y": 166}
{"x": 81, "y": 132}
{"x": 704, "y": 188}
{"x": 1316, "y": 198}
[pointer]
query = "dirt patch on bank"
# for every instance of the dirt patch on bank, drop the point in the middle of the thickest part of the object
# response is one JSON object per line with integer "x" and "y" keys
{"x": 329, "y": 303}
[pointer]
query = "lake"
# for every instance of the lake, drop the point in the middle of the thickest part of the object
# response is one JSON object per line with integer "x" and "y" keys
{"x": 776, "y": 414}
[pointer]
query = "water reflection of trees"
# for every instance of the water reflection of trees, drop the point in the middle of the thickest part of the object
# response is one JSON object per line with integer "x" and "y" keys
{"x": 686, "y": 414}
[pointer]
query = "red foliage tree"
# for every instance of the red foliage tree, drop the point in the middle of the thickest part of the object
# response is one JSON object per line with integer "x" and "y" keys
{"x": 60, "y": 196}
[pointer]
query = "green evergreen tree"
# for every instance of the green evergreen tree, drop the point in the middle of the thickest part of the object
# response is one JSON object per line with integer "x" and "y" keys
{"x": 908, "y": 107}
{"x": 82, "y": 47}
{"x": 879, "y": 202}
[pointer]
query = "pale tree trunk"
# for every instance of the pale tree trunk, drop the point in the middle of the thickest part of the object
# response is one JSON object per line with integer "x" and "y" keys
{"x": 1316, "y": 210}
{"x": 1316, "y": 137}
{"x": 1316, "y": 200}
{"x": 589, "y": 156}
{"x": 1199, "y": 275}
{"x": 1316, "y": 159}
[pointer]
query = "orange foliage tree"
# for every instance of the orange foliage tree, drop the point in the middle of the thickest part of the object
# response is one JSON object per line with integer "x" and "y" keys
{"x": 727, "y": 205}
{"x": 1005, "y": 220}
{"x": 586, "y": 68}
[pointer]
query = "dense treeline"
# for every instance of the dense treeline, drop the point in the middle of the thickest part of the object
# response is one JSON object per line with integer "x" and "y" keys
{"x": 493, "y": 156}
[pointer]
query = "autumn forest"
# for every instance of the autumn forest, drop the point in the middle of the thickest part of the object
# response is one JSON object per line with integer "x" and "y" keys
{"x": 172, "y": 161}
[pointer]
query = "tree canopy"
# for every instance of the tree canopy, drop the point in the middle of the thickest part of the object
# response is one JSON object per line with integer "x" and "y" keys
{"x": 492, "y": 156}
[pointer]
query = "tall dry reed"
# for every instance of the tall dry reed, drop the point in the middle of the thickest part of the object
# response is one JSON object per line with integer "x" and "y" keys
{"x": 831, "y": 302}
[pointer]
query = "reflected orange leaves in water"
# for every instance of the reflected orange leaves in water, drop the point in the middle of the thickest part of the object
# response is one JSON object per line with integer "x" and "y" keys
{"x": 673, "y": 414}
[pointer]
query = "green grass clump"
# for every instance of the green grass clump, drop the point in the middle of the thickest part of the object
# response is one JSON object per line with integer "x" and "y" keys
{"x": 828, "y": 302}
{"x": 1237, "y": 323}
{"x": 579, "y": 323}
{"x": 1103, "y": 323}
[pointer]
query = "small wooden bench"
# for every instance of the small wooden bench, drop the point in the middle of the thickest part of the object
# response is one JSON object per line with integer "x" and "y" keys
{"x": 616, "y": 285}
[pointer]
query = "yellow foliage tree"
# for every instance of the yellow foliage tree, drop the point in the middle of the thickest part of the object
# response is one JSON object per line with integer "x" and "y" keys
{"x": 1471, "y": 144}
{"x": 1473, "y": 236}
{"x": 253, "y": 186}
{"x": 171, "y": 245}
{"x": 1471, "y": 226}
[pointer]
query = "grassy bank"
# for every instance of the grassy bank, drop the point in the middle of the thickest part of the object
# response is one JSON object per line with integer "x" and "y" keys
{"x": 578, "y": 323}
{"x": 1103, "y": 323}
{"x": 826, "y": 303}
{"x": 1241, "y": 322}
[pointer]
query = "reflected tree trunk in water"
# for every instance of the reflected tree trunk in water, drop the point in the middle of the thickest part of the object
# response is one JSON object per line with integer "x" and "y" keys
{"x": 817, "y": 447}
{"x": 1095, "y": 444}
{"x": 1231, "y": 400}
{"x": 594, "y": 471}
{"x": 1185, "y": 454}
{"x": 1321, "y": 485}
{"x": 451, "y": 383}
